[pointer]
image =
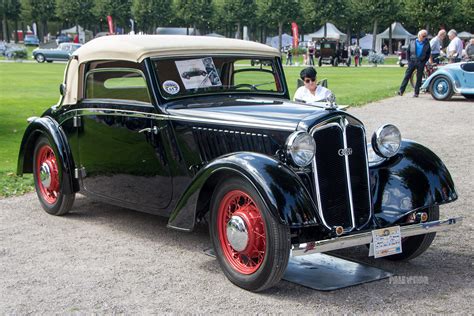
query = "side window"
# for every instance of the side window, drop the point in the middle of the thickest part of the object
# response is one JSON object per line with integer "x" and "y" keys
{"x": 117, "y": 84}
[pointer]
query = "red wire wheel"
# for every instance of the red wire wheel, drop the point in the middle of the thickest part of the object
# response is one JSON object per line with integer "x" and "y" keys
{"x": 47, "y": 174}
{"x": 248, "y": 257}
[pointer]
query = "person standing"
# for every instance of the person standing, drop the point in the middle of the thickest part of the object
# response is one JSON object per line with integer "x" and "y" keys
{"x": 418, "y": 53}
{"x": 455, "y": 46}
{"x": 436, "y": 45}
{"x": 357, "y": 54}
{"x": 470, "y": 49}
{"x": 311, "y": 50}
{"x": 289, "y": 57}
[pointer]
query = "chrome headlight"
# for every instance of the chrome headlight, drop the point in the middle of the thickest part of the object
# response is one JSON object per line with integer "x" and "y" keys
{"x": 301, "y": 147}
{"x": 386, "y": 141}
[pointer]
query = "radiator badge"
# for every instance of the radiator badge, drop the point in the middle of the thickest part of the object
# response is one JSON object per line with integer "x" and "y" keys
{"x": 345, "y": 151}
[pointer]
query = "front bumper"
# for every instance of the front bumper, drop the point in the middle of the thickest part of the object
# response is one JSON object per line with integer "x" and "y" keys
{"x": 366, "y": 237}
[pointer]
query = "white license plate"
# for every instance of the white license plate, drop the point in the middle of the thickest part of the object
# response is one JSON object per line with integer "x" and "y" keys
{"x": 386, "y": 242}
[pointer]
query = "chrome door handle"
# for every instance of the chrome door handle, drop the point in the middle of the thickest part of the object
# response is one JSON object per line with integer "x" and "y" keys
{"x": 154, "y": 129}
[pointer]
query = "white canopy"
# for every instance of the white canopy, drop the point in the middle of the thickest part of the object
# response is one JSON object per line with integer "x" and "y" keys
{"x": 398, "y": 32}
{"x": 366, "y": 41}
{"x": 286, "y": 40}
{"x": 331, "y": 32}
{"x": 465, "y": 35}
{"x": 84, "y": 35}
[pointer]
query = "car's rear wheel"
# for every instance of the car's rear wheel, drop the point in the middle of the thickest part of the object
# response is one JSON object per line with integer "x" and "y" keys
{"x": 252, "y": 247}
{"x": 441, "y": 88}
{"x": 40, "y": 58}
{"x": 320, "y": 61}
{"x": 414, "y": 246}
{"x": 48, "y": 179}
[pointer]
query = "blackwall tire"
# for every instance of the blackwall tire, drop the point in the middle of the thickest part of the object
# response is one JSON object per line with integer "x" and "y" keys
{"x": 255, "y": 262}
{"x": 414, "y": 246}
{"x": 46, "y": 163}
{"x": 40, "y": 58}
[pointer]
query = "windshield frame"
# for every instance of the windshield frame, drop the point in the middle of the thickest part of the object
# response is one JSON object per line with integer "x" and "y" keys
{"x": 284, "y": 93}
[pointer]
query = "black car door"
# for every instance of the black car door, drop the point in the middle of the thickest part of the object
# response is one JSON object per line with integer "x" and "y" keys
{"x": 120, "y": 142}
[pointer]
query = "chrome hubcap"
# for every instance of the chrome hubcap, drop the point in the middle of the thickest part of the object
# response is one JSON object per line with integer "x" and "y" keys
{"x": 45, "y": 175}
{"x": 237, "y": 233}
{"x": 441, "y": 87}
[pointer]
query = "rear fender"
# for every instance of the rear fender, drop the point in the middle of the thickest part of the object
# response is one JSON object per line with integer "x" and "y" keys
{"x": 414, "y": 179}
{"x": 51, "y": 129}
{"x": 280, "y": 188}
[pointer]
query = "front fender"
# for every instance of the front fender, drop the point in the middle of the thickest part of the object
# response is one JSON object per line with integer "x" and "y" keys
{"x": 414, "y": 179}
{"x": 281, "y": 190}
{"x": 427, "y": 83}
{"x": 51, "y": 129}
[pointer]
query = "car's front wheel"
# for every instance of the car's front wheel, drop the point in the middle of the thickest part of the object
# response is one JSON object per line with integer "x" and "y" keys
{"x": 48, "y": 179}
{"x": 40, "y": 58}
{"x": 414, "y": 246}
{"x": 441, "y": 88}
{"x": 252, "y": 247}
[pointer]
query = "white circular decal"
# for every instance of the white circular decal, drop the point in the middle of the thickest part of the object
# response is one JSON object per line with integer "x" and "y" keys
{"x": 170, "y": 87}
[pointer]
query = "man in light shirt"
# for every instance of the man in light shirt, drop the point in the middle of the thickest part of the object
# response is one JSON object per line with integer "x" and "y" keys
{"x": 436, "y": 44}
{"x": 310, "y": 92}
{"x": 455, "y": 47}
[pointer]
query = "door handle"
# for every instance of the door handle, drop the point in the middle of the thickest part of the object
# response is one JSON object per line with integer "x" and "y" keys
{"x": 153, "y": 130}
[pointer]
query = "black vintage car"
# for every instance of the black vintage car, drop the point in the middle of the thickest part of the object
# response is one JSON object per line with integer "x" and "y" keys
{"x": 273, "y": 178}
{"x": 334, "y": 53}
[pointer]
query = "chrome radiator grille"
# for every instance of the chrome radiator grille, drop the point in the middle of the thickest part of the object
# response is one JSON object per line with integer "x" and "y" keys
{"x": 213, "y": 143}
{"x": 341, "y": 174}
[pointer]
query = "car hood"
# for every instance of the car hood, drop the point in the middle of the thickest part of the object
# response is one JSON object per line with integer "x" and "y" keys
{"x": 247, "y": 111}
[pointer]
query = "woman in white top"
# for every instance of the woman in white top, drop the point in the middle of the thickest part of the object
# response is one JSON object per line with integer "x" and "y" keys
{"x": 310, "y": 92}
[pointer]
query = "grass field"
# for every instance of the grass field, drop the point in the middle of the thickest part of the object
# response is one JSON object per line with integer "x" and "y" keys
{"x": 28, "y": 89}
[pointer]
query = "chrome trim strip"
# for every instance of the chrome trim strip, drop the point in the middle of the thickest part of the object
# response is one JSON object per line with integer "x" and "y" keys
{"x": 359, "y": 239}
{"x": 315, "y": 172}
{"x": 106, "y": 111}
{"x": 371, "y": 207}
{"x": 344, "y": 123}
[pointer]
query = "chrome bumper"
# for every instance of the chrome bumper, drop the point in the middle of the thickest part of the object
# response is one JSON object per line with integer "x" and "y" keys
{"x": 366, "y": 237}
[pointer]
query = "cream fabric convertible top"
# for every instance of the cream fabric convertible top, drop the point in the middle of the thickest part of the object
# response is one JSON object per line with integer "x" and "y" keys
{"x": 135, "y": 48}
{"x": 138, "y": 47}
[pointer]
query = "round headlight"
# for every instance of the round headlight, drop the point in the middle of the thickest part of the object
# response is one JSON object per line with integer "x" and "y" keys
{"x": 301, "y": 147}
{"x": 386, "y": 141}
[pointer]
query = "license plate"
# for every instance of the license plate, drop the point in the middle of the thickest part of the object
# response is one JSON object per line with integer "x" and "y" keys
{"x": 386, "y": 241}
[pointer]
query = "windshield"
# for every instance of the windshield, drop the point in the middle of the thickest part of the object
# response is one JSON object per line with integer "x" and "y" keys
{"x": 206, "y": 75}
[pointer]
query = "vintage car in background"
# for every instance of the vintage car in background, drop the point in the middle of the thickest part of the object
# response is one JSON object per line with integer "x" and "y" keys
{"x": 402, "y": 56}
{"x": 63, "y": 38}
{"x": 61, "y": 53}
{"x": 272, "y": 178}
{"x": 31, "y": 40}
{"x": 333, "y": 53}
{"x": 450, "y": 79}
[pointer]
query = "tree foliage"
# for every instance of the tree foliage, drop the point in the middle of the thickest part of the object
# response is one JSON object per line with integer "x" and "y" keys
{"x": 151, "y": 13}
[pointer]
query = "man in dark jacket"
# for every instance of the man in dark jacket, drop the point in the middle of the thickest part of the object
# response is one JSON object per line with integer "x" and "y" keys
{"x": 418, "y": 53}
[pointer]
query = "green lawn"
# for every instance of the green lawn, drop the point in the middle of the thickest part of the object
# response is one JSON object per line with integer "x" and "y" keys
{"x": 28, "y": 89}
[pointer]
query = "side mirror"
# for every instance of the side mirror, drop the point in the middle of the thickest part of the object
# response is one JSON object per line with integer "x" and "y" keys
{"x": 62, "y": 89}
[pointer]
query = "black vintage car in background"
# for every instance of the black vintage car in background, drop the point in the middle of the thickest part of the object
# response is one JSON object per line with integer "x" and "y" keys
{"x": 274, "y": 178}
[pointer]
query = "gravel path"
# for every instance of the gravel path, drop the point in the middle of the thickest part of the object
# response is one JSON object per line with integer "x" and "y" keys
{"x": 105, "y": 259}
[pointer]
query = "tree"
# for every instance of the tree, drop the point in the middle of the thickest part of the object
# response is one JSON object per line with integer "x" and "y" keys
{"x": 150, "y": 13}
{"x": 380, "y": 12}
{"x": 236, "y": 13}
{"x": 11, "y": 10}
{"x": 429, "y": 13}
{"x": 278, "y": 12}
{"x": 326, "y": 11}
{"x": 42, "y": 11}
{"x": 119, "y": 10}
{"x": 76, "y": 12}
{"x": 194, "y": 13}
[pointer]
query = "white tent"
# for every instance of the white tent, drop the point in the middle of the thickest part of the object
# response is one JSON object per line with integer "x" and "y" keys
{"x": 286, "y": 40}
{"x": 465, "y": 35}
{"x": 398, "y": 32}
{"x": 365, "y": 42}
{"x": 331, "y": 32}
{"x": 84, "y": 35}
